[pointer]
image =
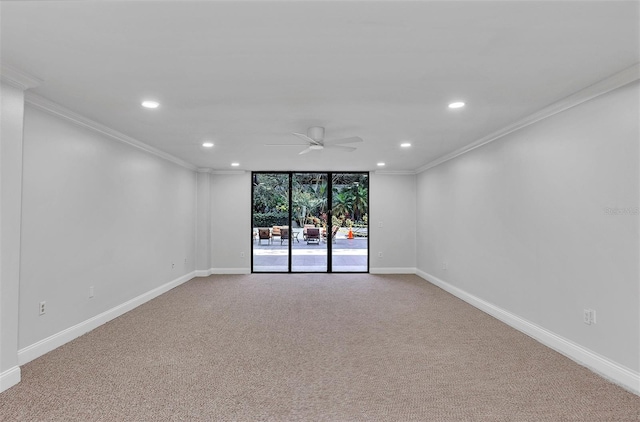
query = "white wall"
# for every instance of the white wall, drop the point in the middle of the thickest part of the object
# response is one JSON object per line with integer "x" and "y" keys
{"x": 10, "y": 215}
{"x": 392, "y": 202}
{"x": 522, "y": 224}
{"x": 231, "y": 223}
{"x": 203, "y": 227}
{"x": 96, "y": 212}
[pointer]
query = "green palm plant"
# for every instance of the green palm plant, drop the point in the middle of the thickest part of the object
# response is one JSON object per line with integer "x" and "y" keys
{"x": 359, "y": 198}
{"x": 342, "y": 203}
{"x": 305, "y": 203}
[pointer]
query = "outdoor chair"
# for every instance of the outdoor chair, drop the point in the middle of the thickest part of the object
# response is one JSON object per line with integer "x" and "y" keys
{"x": 304, "y": 230}
{"x": 275, "y": 231}
{"x": 284, "y": 234}
{"x": 334, "y": 231}
{"x": 264, "y": 234}
{"x": 313, "y": 235}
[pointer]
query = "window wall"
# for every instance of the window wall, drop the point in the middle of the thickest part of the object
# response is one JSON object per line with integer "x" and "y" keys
{"x": 310, "y": 222}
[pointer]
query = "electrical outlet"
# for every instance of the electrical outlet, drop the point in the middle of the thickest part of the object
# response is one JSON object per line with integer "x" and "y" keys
{"x": 185, "y": 260}
{"x": 42, "y": 307}
{"x": 380, "y": 224}
{"x": 445, "y": 266}
{"x": 173, "y": 265}
{"x": 589, "y": 316}
{"x": 91, "y": 292}
{"x": 241, "y": 254}
{"x": 379, "y": 254}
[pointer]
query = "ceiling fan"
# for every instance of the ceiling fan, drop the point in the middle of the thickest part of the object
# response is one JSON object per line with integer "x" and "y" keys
{"x": 315, "y": 141}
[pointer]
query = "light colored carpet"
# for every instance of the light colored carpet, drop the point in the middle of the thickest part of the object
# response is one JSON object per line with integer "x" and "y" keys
{"x": 310, "y": 347}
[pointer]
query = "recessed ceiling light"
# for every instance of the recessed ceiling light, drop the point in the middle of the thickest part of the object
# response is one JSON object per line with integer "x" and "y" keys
{"x": 458, "y": 104}
{"x": 405, "y": 144}
{"x": 208, "y": 144}
{"x": 235, "y": 164}
{"x": 380, "y": 164}
{"x": 150, "y": 104}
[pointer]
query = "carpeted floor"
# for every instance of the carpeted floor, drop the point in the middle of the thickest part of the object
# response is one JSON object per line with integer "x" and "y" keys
{"x": 310, "y": 347}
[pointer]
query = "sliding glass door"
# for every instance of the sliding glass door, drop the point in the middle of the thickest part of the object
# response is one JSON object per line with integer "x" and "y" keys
{"x": 349, "y": 209}
{"x": 309, "y": 249}
{"x": 270, "y": 212}
{"x": 310, "y": 222}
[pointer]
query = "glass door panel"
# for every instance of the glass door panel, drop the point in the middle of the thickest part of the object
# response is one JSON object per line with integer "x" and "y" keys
{"x": 350, "y": 223}
{"x": 309, "y": 222}
{"x": 270, "y": 212}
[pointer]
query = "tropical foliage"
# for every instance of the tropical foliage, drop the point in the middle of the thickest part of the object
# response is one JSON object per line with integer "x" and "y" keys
{"x": 270, "y": 219}
{"x": 270, "y": 192}
{"x": 309, "y": 201}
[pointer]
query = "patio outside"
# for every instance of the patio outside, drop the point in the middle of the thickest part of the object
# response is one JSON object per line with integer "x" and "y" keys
{"x": 280, "y": 237}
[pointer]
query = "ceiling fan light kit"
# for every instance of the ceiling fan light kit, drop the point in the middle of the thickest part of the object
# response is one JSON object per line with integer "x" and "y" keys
{"x": 316, "y": 133}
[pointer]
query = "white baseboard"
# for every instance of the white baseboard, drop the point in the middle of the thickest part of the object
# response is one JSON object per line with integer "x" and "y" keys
{"x": 207, "y": 273}
{"x": 380, "y": 270}
{"x": 46, "y": 345}
{"x": 230, "y": 270}
{"x": 9, "y": 378}
{"x": 392, "y": 270}
{"x": 607, "y": 368}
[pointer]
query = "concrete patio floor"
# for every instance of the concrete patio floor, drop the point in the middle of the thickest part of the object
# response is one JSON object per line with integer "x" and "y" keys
{"x": 349, "y": 255}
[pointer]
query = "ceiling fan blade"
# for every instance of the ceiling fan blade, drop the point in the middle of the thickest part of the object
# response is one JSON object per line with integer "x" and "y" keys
{"x": 340, "y": 147}
{"x": 285, "y": 145}
{"x": 351, "y": 140}
{"x": 307, "y": 139}
{"x": 305, "y": 151}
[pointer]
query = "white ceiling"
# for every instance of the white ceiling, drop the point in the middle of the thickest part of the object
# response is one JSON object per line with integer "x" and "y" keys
{"x": 243, "y": 74}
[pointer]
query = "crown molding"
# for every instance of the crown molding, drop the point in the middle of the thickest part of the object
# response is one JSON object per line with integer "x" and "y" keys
{"x": 18, "y": 79}
{"x": 55, "y": 109}
{"x": 213, "y": 171}
{"x": 615, "y": 81}
{"x": 395, "y": 172}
